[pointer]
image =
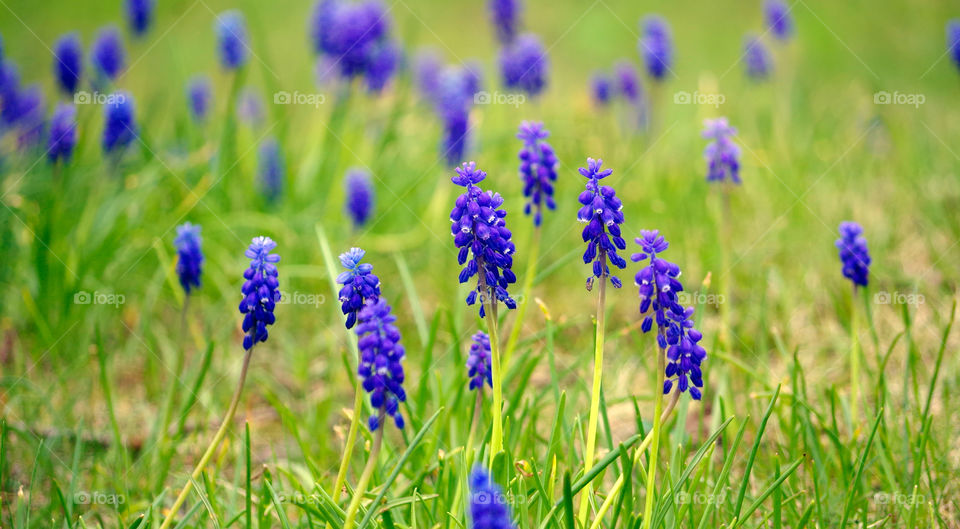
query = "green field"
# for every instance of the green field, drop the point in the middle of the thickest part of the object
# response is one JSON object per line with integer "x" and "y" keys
{"x": 110, "y": 392}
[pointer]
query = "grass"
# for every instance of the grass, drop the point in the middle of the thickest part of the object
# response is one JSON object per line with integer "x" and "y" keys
{"x": 108, "y": 405}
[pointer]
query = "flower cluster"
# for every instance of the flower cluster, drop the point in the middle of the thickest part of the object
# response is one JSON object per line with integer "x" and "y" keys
{"x": 381, "y": 361}
{"x": 260, "y": 293}
{"x": 63, "y": 133}
{"x": 68, "y": 62}
{"x": 505, "y": 15}
{"x": 359, "y": 202}
{"x": 659, "y": 286}
{"x": 139, "y": 13}
{"x": 120, "y": 127}
{"x": 756, "y": 57}
{"x": 854, "y": 253}
{"x": 953, "y": 40}
{"x": 271, "y": 169}
{"x": 778, "y": 17}
{"x": 359, "y": 284}
{"x": 601, "y": 88}
{"x": 189, "y": 256}
{"x": 538, "y": 168}
{"x": 355, "y": 39}
{"x": 107, "y": 54}
{"x": 231, "y": 30}
{"x": 488, "y": 508}
{"x": 480, "y": 231}
{"x": 478, "y": 363}
{"x": 722, "y": 154}
{"x": 656, "y": 46}
{"x": 199, "y": 97}
{"x": 601, "y": 212}
{"x": 524, "y": 64}
{"x": 30, "y": 116}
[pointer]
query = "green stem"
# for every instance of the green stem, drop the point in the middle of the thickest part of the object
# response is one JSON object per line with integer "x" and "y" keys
{"x": 525, "y": 296}
{"x": 361, "y": 488}
{"x": 595, "y": 393}
{"x": 351, "y": 440}
{"x": 217, "y": 438}
{"x": 725, "y": 267}
{"x": 477, "y": 413}
{"x": 496, "y": 438}
{"x": 177, "y": 368}
{"x": 854, "y": 363}
{"x": 655, "y": 446}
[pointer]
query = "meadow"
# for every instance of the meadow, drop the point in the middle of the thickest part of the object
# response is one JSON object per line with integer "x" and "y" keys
{"x": 823, "y": 404}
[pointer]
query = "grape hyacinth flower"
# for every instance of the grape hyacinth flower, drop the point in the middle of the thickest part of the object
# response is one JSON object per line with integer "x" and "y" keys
{"x": 628, "y": 82}
{"x": 63, "y": 133}
{"x": 601, "y": 212}
{"x": 480, "y": 232}
{"x": 427, "y": 67}
{"x": 271, "y": 169}
{"x": 107, "y": 54}
{"x": 68, "y": 62}
{"x": 756, "y": 58}
{"x": 478, "y": 363}
{"x": 488, "y": 508}
{"x": 383, "y": 63}
{"x": 139, "y": 14}
{"x": 381, "y": 357}
{"x": 659, "y": 289}
{"x": 360, "y": 195}
{"x": 722, "y": 154}
{"x": 9, "y": 93}
{"x": 452, "y": 100}
{"x": 359, "y": 284}
{"x": 656, "y": 46}
{"x": 30, "y": 117}
{"x": 260, "y": 294}
{"x": 199, "y": 97}
{"x": 601, "y": 88}
{"x": 524, "y": 65}
{"x": 231, "y": 28}
{"x": 779, "y": 20}
{"x": 189, "y": 256}
{"x": 854, "y": 253}
{"x": 505, "y": 15}
{"x": 538, "y": 168}
{"x": 355, "y": 37}
{"x": 120, "y": 128}
{"x": 953, "y": 40}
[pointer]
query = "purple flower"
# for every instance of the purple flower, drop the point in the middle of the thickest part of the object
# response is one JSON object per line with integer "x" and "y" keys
{"x": 488, "y": 507}
{"x": 271, "y": 169}
{"x": 355, "y": 36}
{"x": 107, "y": 54}
{"x": 722, "y": 154}
{"x": 189, "y": 256}
{"x": 628, "y": 81}
{"x": 659, "y": 286}
{"x": 602, "y": 213}
{"x": 63, "y": 133}
{"x": 478, "y": 363}
{"x": 359, "y": 284}
{"x": 524, "y": 64}
{"x": 381, "y": 361}
{"x": 480, "y": 231}
{"x": 427, "y": 67}
{"x": 199, "y": 97}
{"x": 452, "y": 102}
{"x": 120, "y": 127}
{"x": 383, "y": 63}
{"x": 231, "y": 29}
{"x": 601, "y": 88}
{"x": 9, "y": 93}
{"x": 260, "y": 294}
{"x": 30, "y": 116}
{"x": 656, "y": 46}
{"x": 505, "y": 15}
{"x": 538, "y": 168}
{"x": 68, "y": 62}
{"x": 139, "y": 13}
{"x": 360, "y": 196}
{"x": 953, "y": 40}
{"x": 854, "y": 253}
{"x": 778, "y": 17}
{"x": 756, "y": 57}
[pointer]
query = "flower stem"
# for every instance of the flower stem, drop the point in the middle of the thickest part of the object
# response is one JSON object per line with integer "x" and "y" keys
{"x": 361, "y": 489}
{"x": 529, "y": 275}
{"x": 725, "y": 267}
{"x": 351, "y": 440}
{"x": 214, "y": 444}
{"x": 477, "y": 413}
{"x": 655, "y": 444}
{"x": 855, "y": 362}
{"x": 595, "y": 393}
{"x": 496, "y": 438}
